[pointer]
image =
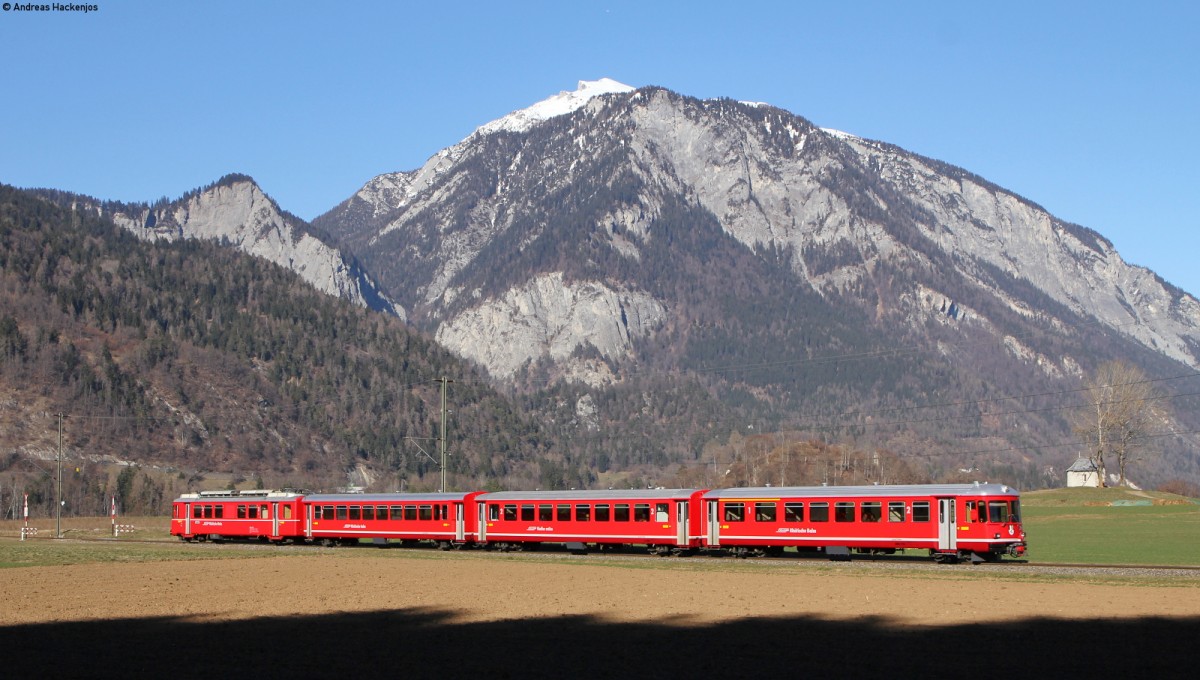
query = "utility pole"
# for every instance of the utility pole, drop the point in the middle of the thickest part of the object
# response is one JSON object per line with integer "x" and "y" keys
{"x": 442, "y": 439}
{"x": 58, "y": 485}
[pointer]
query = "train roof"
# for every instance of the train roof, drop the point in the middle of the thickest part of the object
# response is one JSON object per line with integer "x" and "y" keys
{"x": 975, "y": 489}
{"x": 590, "y": 495}
{"x": 398, "y": 497}
{"x": 239, "y": 495}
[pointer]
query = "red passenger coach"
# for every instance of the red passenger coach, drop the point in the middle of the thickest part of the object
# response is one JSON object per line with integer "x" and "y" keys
{"x": 951, "y": 521}
{"x": 237, "y": 515}
{"x": 664, "y": 520}
{"x": 448, "y": 519}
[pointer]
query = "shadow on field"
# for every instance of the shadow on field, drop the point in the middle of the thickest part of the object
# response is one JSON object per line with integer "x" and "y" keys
{"x": 428, "y": 644}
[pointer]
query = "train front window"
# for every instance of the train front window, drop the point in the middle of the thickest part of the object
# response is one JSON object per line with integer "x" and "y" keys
{"x": 998, "y": 511}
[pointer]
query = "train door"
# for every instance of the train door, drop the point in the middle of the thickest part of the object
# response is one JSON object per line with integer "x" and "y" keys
{"x": 308, "y": 520}
{"x": 187, "y": 519}
{"x": 681, "y": 523}
{"x": 483, "y": 522}
{"x": 275, "y": 519}
{"x": 460, "y": 523}
{"x": 714, "y": 524}
{"x": 947, "y": 525}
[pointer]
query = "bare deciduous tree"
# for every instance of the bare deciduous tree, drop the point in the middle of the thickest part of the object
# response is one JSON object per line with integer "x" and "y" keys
{"x": 1121, "y": 409}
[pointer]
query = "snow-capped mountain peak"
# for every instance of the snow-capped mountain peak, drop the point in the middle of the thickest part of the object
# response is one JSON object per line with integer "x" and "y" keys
{"x": 558, "y": 105}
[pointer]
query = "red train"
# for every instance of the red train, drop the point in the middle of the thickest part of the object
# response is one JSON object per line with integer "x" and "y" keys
{"x": 950, "y": 521}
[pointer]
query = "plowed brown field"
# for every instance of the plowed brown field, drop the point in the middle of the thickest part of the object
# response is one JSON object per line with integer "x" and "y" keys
{"x": 334, "y": 613}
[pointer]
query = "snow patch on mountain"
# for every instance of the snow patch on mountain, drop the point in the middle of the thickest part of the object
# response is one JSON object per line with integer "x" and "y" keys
{"x": 560, "y": 104}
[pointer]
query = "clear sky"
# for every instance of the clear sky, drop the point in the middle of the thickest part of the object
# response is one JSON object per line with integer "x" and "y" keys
{"x": 1090, "y": 109}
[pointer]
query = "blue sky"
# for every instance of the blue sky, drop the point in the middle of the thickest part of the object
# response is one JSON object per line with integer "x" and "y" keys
{"x": 1089, "y": 109}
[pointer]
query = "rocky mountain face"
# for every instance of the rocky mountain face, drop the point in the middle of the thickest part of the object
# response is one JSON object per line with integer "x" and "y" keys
{"x": 610, "y": 232}
{"x": 236, "y": 211}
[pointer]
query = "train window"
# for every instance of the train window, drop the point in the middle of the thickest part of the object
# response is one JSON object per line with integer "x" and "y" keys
{"x": 920, "y": 511}
{"x": 241, "y": 512}
{"x": 998, "y": 511}
{"x": 602, "y": 514}
{"x": 197, "y": 511}
{"x": 341, "y": 512}
{"x": 661, "y": 513}
{"x": 287, "y": 512}
{"x": 252, "y": 512}
{"x": 526, "y": 513}
{"x": 381, "y": 512}
{"x": 583, "y": 513}
{"x": 1016, "y": 511}
{"x": 369, "y": 512}
{"x": 493, "y": 512}
{"x": 621, "y": 512}
{"x": 735, "y": 512}
{"x": 317, "y": 511}
{"x": 843, "y": 511}
{"x": 439, "y": 512}
{"x": 641, "y": 512}
{"x": 818, "y": 512}
{"x": 510, "y": 513}
{"x": 397, "y": 512}
{"x": 410, "y": 512}
{"x": 976, "y": 512}
{"x": 895, "y": 511}
{"x": 265, "y": 512}
{"x": 564, "y": 513}
{"x": 328, "y": 512}
{"x": 425, "y": 513}
{"x": 872, "y": 511}
{"x": 793, "y": 512}
{"x": 764, "y": 512}
{"x": 355, "y": 512}
{"x": 545, "y": 513}
{"x": 445, "y": 511}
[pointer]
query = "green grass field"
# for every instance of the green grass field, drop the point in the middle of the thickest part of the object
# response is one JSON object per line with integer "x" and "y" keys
{"x": 1102, "y": 526}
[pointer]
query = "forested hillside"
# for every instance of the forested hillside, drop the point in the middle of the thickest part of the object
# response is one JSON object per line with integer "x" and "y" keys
{"x": 189, "y": 358}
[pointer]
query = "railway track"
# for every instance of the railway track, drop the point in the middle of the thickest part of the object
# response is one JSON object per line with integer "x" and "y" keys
{"x": 911, "y": 561}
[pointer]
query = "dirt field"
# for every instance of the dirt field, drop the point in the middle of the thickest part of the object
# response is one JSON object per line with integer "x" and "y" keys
{"x": 378, "y": 613}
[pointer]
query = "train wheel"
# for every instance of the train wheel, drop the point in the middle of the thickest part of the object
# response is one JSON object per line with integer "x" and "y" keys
{"x": 443, "y": 545}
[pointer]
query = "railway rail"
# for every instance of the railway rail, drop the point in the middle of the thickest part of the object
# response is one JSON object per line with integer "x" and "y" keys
{"x": 907, "y": 562}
